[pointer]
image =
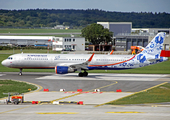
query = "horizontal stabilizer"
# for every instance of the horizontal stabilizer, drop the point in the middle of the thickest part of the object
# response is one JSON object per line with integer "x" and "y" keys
{"x": 153, "y": 60}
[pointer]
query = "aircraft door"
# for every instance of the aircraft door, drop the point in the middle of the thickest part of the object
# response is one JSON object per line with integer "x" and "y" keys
{"x": 52, "y": 61}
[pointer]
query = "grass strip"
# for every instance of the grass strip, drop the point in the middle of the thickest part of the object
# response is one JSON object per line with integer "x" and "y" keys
{"x": 7, "y": 86}
{"x": 39, "y": 31}
{"x": 155, "y": 95}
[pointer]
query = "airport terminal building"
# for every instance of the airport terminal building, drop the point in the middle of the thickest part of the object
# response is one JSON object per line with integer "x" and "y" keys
{"x": 125, "y": 36}
{"x": 25, "y": 40}
{"x": 123, "y": 42}
{"x": 57, "y": 43}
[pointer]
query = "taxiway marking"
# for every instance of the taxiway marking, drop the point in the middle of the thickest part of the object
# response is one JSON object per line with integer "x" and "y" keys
{"x": 15, "y": 109}
{"x": 152, "y": 87}
{"x": 105, "y": 86}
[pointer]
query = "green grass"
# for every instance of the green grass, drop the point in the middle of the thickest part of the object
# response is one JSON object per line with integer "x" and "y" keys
{"x": 61, "y": 35}
{"x": 38, "y": 31}
{"x": 160, "y": 68}
{"x": 14, "y": 86}
{"x": 155, "y": 95}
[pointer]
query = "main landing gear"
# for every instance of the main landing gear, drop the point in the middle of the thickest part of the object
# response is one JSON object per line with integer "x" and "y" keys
{"x": 20, "y": 73}
{"x": 83, "y": 74}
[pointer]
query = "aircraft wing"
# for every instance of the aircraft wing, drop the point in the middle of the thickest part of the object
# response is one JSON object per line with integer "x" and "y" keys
{"x": 82, "y": 65}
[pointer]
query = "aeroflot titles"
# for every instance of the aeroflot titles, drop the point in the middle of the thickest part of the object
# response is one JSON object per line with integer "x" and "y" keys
{"x": 44, "y": 57}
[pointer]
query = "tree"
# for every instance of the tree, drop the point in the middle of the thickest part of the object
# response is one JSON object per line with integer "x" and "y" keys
{"x": 96, "y": 33}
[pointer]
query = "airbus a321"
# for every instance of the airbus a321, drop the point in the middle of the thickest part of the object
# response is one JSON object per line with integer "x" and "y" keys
{"x": 68, "y": 63}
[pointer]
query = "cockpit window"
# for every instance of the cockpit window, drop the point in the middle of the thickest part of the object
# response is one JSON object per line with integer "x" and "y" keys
{"x": 9, "y": 58}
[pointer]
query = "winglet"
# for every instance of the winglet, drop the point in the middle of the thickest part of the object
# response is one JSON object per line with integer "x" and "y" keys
{"x": 89, "y": 60}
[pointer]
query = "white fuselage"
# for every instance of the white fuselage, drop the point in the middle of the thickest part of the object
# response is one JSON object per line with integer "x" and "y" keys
{"x": 49, "y": 61}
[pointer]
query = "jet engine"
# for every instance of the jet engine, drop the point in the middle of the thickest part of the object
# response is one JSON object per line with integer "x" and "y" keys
{"x": 63, "y": 70}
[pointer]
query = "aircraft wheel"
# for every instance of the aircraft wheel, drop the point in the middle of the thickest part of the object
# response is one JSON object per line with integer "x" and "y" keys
{"x": 80, "y": 74}
{"x": 20, "y": 74}
{"x": 85, "y": 74}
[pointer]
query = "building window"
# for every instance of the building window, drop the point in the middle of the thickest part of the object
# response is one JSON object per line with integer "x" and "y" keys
{"x": 145, "y": 42}
{"x": 65, "y": 40}
{"x": 73, "y": 40}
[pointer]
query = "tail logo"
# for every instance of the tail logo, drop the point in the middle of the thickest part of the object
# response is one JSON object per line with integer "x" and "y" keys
{"x": 159, "y": 40}
{"x": 141, "y": 58}
{"x": 152, "y": 45}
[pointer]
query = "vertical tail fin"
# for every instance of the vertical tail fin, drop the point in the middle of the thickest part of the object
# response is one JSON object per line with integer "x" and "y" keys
{"x": 153, "y": 49}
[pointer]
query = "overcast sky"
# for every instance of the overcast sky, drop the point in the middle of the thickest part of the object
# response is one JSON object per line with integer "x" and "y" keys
{"x": 107, "y": 5}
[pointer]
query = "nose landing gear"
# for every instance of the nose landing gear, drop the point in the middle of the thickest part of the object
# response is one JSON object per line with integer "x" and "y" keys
{"x": 20, "y": 73}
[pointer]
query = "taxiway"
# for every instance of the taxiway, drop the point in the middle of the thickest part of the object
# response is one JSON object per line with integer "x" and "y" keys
{"x": 107, "y": 83}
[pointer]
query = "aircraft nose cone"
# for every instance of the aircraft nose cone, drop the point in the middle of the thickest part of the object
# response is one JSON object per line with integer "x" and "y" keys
{"x": 3, "y": 63}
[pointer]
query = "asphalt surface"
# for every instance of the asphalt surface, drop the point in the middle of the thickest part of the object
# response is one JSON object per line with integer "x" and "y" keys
{"x": 77, "y": 112}
{"x": 71, "y": 82}
{"x": 107, "y": 83}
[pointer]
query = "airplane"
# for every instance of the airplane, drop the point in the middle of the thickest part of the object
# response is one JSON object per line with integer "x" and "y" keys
{"x": 69, "y": 63}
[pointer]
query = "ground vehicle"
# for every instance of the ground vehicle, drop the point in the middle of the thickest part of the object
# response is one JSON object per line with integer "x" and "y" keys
{"x": 15, "y": 99}
{"x": 136, "y": 49}
{"x": 67, "y": 49}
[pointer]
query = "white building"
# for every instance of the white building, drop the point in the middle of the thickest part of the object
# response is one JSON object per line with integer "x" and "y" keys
{"x": 57, "y": 43}
{"x": 76, "y": 43}
{"x": 26, "y": 40}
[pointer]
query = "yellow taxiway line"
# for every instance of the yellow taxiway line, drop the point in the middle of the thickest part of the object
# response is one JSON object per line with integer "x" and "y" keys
{"x": 15, "y": 109}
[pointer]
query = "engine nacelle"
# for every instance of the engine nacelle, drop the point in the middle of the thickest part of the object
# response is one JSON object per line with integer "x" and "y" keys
{"x": 63, "y": 69}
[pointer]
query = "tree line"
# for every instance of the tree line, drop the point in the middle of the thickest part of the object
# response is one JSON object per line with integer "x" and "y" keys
{"x": 80, "y": 18}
